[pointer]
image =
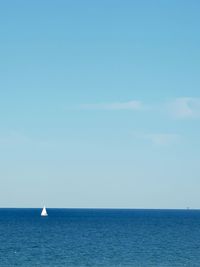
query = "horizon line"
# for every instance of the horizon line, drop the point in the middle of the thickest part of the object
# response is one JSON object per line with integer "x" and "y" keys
{"x": 102, "y": 208}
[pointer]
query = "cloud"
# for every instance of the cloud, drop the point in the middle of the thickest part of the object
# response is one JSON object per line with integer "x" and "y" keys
{"x": 179, "y": 108}
{"x": 130, "y": 105}
{"x": 14, "y": 138}
{"x": 185, "y": 107}
{"x": 159, "y": 139}
{"x": 163, "y": 139}
{"x": 19, "y": 139}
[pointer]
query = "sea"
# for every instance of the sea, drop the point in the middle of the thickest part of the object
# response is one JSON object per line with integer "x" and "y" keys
{"x": 99, "y": 237}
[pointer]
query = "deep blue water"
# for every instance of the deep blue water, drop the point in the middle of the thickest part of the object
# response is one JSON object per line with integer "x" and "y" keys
{"x": 89, "y": 237}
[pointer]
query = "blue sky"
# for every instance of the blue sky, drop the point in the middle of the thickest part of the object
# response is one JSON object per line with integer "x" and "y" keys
{"x": 100, "y": 104}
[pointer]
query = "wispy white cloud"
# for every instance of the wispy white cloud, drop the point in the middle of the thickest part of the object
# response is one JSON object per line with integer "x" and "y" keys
{"x": 129, "y": 105}
{"x": 14, "y": 138}
{"x": 179, "y": 108}
{"x": 159, "y": 139}
{"x": 185, "y": 107}
{"x": 162, "y": 139}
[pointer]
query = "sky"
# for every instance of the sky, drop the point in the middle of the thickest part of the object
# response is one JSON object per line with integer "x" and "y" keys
{"x": 100, "y": 104}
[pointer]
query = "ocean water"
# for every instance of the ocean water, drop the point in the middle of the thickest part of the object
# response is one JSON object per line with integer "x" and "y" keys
{"x": 90, "y": 237}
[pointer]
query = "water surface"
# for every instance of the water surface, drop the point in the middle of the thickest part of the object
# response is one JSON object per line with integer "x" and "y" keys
{"x": 107, "y": 238}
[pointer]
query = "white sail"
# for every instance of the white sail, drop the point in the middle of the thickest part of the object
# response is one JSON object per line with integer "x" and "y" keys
{"x": 44, "y": 212}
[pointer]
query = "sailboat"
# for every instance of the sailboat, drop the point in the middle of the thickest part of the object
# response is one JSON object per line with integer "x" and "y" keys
{"x": 44, "y": 212}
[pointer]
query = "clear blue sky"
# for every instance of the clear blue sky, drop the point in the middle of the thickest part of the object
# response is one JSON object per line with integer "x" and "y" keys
{"x": 100, "y": 104}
